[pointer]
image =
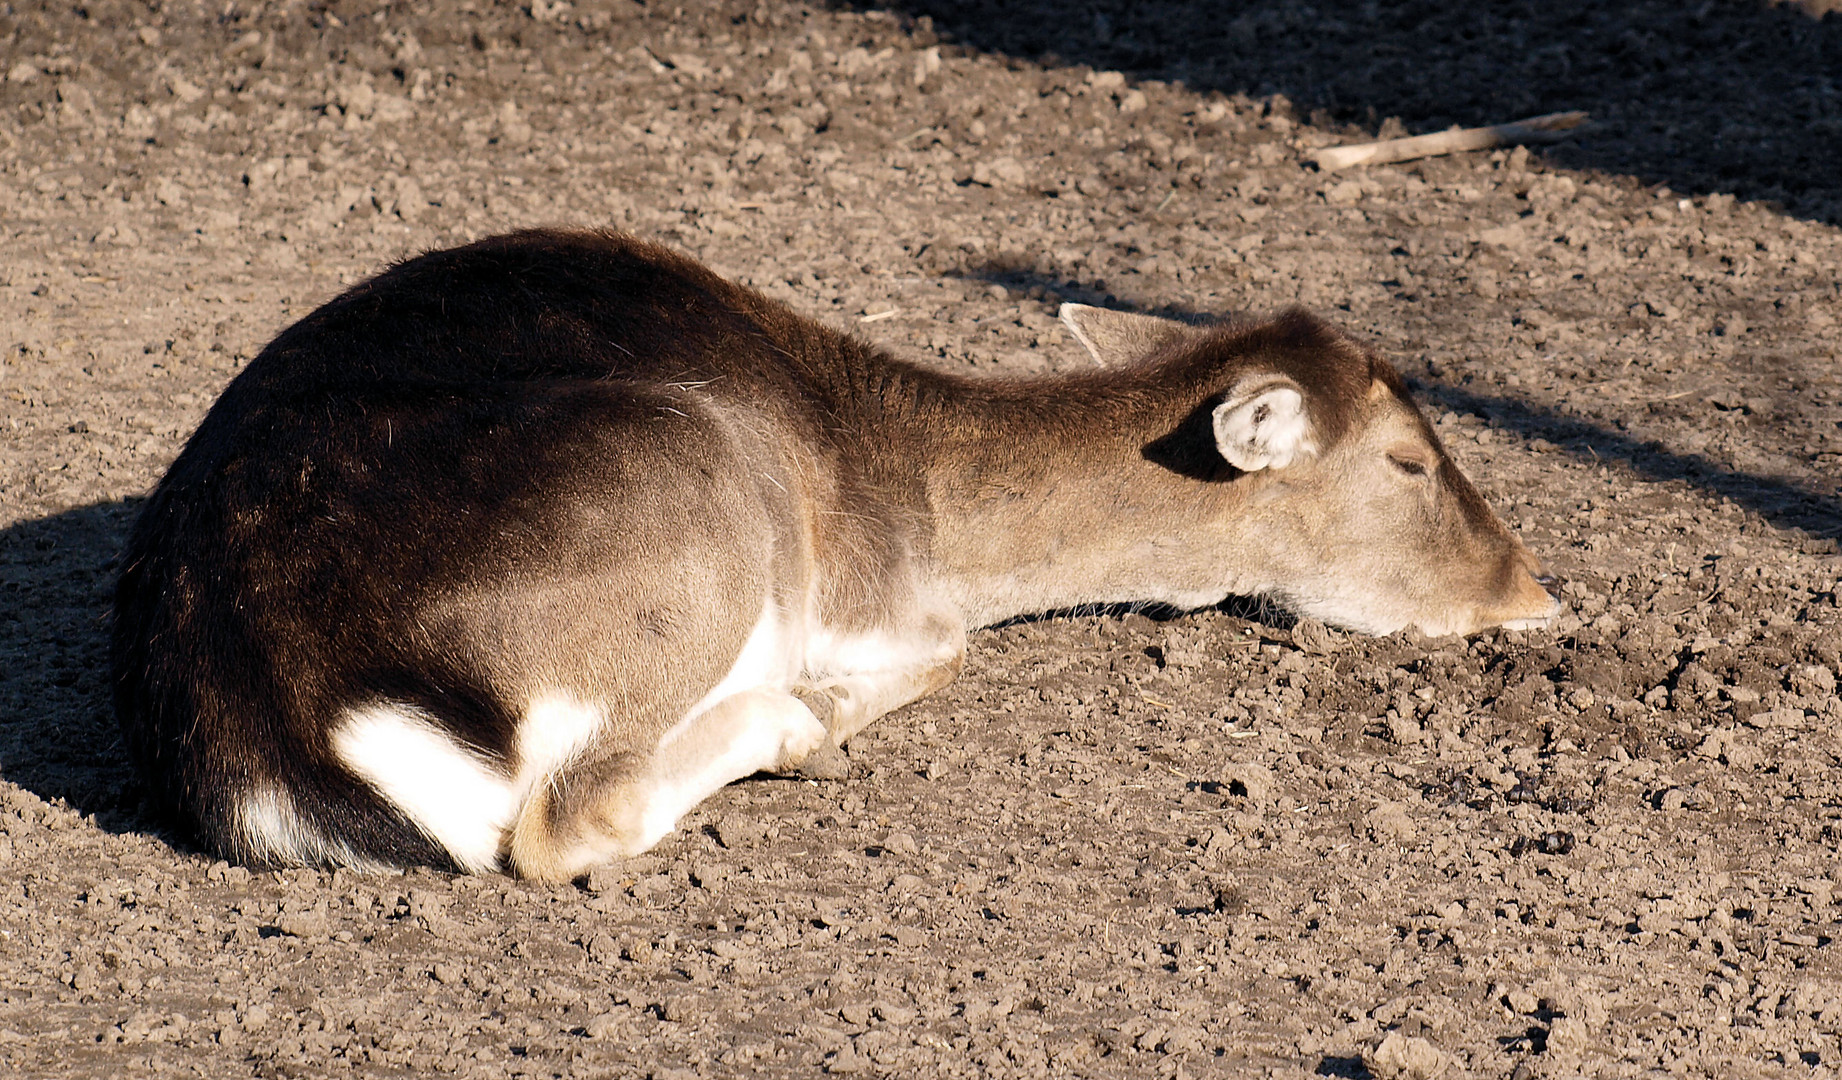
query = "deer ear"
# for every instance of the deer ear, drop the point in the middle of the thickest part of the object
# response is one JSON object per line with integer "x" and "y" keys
{"x": 1263, "y": 425}
{"x": 1118, "y": 337}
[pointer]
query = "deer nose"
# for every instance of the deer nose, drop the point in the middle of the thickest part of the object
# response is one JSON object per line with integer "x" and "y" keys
{"x": 1551, "y": 583}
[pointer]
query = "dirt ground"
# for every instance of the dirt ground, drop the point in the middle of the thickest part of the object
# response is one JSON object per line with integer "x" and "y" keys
{"x": 1211, "y": 844}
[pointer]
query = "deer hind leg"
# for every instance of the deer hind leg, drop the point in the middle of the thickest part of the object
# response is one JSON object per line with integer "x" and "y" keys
{"x": 596, "y": 809}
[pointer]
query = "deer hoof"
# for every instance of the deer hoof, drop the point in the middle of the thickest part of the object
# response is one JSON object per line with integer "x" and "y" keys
{"x": 828, "y": 762}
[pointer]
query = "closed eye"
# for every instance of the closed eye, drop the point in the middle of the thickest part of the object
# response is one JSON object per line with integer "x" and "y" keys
{"x": 1409, "y": 466}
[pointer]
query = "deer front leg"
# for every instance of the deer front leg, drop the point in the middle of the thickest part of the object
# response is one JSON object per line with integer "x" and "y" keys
{"x": 848, "y": 703}
{"x": 621, "y": 803}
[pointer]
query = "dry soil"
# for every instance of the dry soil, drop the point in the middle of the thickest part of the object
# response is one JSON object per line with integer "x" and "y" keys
{"x": 1146, "y": 844}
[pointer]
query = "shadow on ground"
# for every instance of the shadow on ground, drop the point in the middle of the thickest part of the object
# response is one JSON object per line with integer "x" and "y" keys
{"x": 1717, "y": 96}
{"x": 1783, "y": 502}
{"x": 57, "y": 726}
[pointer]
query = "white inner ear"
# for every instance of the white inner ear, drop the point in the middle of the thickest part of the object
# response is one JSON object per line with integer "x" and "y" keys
{"x": 1264, "y": 428}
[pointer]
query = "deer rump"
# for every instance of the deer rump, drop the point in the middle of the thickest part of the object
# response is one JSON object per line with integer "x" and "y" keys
{"x": 517, "y": 551}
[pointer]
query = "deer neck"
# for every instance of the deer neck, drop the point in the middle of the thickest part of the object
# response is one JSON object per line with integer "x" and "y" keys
{"x": 1043, "y": 497}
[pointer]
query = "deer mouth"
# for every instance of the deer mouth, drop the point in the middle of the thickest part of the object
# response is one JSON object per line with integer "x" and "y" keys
{"x": 1535, "y": 606}
{"x": 1530, "y": 624}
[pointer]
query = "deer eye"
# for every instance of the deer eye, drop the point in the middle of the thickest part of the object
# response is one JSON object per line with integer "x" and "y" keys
{"x": 1410, "y": 466}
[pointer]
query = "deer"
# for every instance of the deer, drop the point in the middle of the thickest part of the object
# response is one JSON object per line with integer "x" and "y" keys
{"x": 508, "y": 557}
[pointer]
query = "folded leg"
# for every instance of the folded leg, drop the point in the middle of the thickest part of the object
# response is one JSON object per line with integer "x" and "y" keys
{"x": 595, "y": 809}
{"x": 849, "y": 702}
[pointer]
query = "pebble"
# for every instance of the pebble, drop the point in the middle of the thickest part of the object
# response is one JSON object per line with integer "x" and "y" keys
{"x": 1403, "y": 1057}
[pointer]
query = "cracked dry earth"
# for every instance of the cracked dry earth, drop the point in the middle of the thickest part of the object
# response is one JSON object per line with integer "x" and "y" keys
{"x": 1208, "y": 844}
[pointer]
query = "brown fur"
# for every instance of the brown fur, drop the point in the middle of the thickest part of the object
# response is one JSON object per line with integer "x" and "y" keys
{"x": 526, "y": 504}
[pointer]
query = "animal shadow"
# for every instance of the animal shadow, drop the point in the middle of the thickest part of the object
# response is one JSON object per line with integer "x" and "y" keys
{"x": 58, "y": 738}
{"x": 1706, "y": 98}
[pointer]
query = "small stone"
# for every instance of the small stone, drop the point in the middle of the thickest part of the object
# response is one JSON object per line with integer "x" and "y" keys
{"x": 1390, "y": 823}
{"x": 1813, "y": 680}
{"x": 1314, "y": 638}
{"x": 303, "y": 924}
{"x": 1567, "y": 1037}
{"x": 1252, "y": 782}
{"x": 739, "y": 830}
{"x": 1743, "y": 755}
{"x": 908, "y": 937}
{"x": 1786, "y": 718}
{"x": 602, "y": 949}
{"x": 895, "y": 1014}
{"x": 1343, "y": 194}
{"x": 708, "y": 875}
{"x": 426, "y": 902}
{"x": 1003, "y": 170}
{"x": 1405, "y": 730}
{"x": 607, "y": 879}
{"x": 901, "y": 843}
{"x": 828, "y": 762}
{"x": 906, "y": 885}
{"x": 1399, "y": 1057}
{"x": 1183, "y": 1039}
{"x": 515, "y": 132}
{"x": 1507, "y": 236}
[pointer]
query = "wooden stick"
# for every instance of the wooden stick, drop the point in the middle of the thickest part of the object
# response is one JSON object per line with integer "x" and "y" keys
{"x": 1550, "y": 128}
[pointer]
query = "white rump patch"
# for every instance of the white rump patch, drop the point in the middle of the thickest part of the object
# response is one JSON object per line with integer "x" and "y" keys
{"x": 274, "y": 832}
{"x": 454, "y": 796}
{"x": 554, "y": 729}
{"x": 1264, "y": 426}
{"x": 273, "y": 829}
